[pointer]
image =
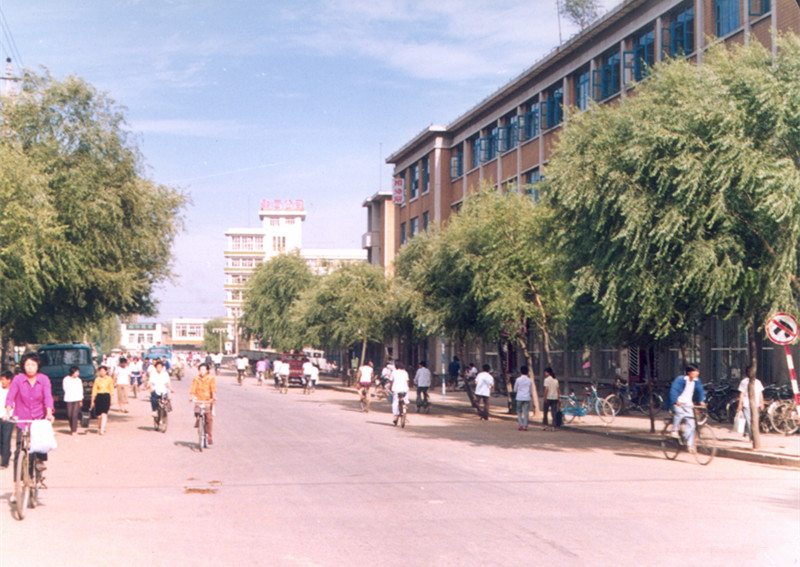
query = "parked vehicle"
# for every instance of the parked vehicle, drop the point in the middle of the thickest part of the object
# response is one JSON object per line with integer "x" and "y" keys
{"x": 295, "y": 360}
{"x": 55, "y": 361}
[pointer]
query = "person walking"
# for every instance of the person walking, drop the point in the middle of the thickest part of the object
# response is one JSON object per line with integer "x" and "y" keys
{"x": 452, "y": 372}
{"x": 102, "y": 390}
{"x": 73, "y": 396}
{"x": 122, "y": 382}
{"x": 551, "y": 395}
{"x": 744, "y": 399}
{"x": 523, "y": 388}
{"x": 484, "y": 382}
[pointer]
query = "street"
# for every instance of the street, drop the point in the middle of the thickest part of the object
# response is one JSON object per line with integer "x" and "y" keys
{"x": 311, "y": 480}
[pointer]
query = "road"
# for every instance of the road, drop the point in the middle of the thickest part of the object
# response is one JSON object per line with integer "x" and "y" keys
{"x": 310, "y": 480}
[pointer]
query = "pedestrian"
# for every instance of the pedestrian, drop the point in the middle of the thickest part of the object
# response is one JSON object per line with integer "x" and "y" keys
{"x": 422, "y": 379}
{"x": 684, "y": 392}
{"x": 261, "y": 369}
{"x": 398, "y": 387}
{"x": 452, "y": 372}
{"x": 744, "y": 399}
{"x": 484, "y": 382}
{"x": 6, "y": 426}
{"x": 365, "y": 382}
{"x": 307, "y": 370}
{"x": 551, "y": 395}
{"x": 204, "y": 390}
{"x": 102, "y": 389}
{"x": 267, "y": 367}
{"x": 122, "y": 381}
{"x": 314, "y": 377}
{"x": 523, "y": 388}
{"x": 73, "y": 396}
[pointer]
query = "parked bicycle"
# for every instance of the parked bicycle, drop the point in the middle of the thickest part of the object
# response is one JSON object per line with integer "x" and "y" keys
{"x": 571, "y": 407}
{"x": 29, "y": 474}
{"x": 636, "y": 397}
{"x": 162, "y": 413}
{"x": 705, "y": 441}
{"x": 722, "y": 397}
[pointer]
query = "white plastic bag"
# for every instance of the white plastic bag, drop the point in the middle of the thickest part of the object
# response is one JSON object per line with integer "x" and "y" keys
{"x": 739, "y": 423}
{"x": 43, "y": 439}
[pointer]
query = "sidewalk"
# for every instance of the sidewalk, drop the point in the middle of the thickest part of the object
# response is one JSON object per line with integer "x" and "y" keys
{"x": 775, "y": 449}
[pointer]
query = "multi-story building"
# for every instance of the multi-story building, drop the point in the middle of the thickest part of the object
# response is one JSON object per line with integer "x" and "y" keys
{"x": 506, "y": 140}
{"x": 187, "y": 334}
{"x": 281, "y": 232}
{"x": 137, "y": 337}
{"x": 379, "y": 240}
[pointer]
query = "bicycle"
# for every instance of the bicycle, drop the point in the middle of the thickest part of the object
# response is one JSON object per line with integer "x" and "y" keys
{"x": 572, "y": 408}
{"x": 200, "y": 413}
{"x": 29, "y": 475}
{"x": 162, "y": 413}
{"x": 636, "y": 397}
{"x": 240, "y": 375}
{"x": 705, "y": 441}
{"x": 363, "y": 397}
{"x": 136, "y": 380}
{"x": 307, "y": 386}
{"x": 284, "y": 384}
{"x": 402, "y": 403}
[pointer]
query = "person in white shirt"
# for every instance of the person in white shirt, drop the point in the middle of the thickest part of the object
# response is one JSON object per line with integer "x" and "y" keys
{"x": 241, "y": 366}
{"x": 523, "y": 390}
{"x": 276, "y": 368}
{"x": 122, "y": 381}
{"x": 398, "y": 387}
{"x": 73, "y": 396}
{"x": 551, "y": 398}
{"x": 159, "y": 384}
{"x": 365, "y": 382}
{"x": 484, "y": 382}
{"x": 422, "y": 379}
{"x": 314, "y": 376}
{"x": 744, "y": 399}
{"x": 307, "y": 366}
{"x": 284, "y": 370}
{"x": 136, "y": 374}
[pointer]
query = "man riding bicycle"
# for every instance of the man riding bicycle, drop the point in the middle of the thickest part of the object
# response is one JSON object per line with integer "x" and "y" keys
{"x": 685, "y": 390}
{"x": 399, "y": 388}
{"x": 364, "y": 383}
{"x": 423, "y": 381}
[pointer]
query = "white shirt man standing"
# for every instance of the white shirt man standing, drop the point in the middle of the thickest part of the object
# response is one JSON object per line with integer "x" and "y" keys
{"x": 484, "y": 382}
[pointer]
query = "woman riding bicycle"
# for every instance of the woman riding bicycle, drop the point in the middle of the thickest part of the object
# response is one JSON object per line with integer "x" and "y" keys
{"x": 30, "y": 396}
{"x": 204, "y": 391}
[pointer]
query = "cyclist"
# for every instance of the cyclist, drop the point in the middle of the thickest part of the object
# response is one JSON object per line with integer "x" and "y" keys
{"x": 399, "y": 388}
{"x": 307, "y": 371}
{"x": 685, "y": 390}
{"x": 241, "y": 367}
{"x": 422, "y": 379}
{"x": 283, "y": 372}
{"x": 261, "y": 370}
{"x": 204, "y": 389}
{"x": 159, "y": 384}
{"x": 30, "y": 396}
{"x": 136, "y": 373}
{"x": 364, "y": 383}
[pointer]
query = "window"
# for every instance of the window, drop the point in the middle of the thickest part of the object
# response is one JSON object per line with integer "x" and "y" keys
{"x": 457, "y": 162}
{"x": 553, "y": 108}
{"x": 582, "y": 89}
{"x": 131, "y": 338}
{"x": 726, "y": 16}
{"x": 290, "y": 221}
{"x": 644, "y": 57}
{"x": 759, "y": 7}
{"x": 507, "y": 134}
{"x": 606, "y": 80}
{"x": 489, "y": 146}
{"x": 681, "y": 33}
{"x": 426, "y": 175}
{"x": 413, "y": 227}
{"x": 532, "y": 180}
{"x": 413, "y": 181}
{"x": 274, "y": 222}
{"x": 475, "y": 152}
{"x": 425, "y": 220}
{"x": 528, "y": 122}
{"x": 278, "y": 243}
{"x": 402, "y": 233}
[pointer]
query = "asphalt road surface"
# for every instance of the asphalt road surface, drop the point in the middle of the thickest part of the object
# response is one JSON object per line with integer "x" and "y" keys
{"x": 310, "y": 480}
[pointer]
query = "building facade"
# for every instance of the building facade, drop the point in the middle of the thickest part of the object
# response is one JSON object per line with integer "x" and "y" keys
{"x": 138, "y": 337}
{"x": 379, "y": 239}
{"x": 506, "y": 140}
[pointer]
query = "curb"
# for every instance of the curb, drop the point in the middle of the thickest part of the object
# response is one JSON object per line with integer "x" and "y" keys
{"x": 723, "y": 452}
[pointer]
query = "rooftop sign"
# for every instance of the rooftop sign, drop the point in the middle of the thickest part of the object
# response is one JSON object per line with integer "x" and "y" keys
{"x": 283, "y": 205}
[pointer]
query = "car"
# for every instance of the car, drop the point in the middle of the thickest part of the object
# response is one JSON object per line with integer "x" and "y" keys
{"x": 55, "y": 361}
{"x": 295, "y": 361}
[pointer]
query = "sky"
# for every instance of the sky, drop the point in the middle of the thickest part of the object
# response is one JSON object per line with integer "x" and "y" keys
{"x": 237, "y": 101}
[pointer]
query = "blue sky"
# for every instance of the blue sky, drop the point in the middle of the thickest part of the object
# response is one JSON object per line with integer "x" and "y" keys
{"x": 238, "y": 101}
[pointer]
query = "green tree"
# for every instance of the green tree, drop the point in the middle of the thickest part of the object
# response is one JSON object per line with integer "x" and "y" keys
{"x": 89, "y": 235}
{"x": 683, "y": 202}
{"x": 212, "y": 338}
{"x": 579, "y": 12}
{"x": 271, "y": 294}
{"x": 347, "y": 306}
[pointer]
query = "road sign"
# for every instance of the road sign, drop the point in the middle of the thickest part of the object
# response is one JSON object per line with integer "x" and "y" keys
{"x": 782, "y": 329}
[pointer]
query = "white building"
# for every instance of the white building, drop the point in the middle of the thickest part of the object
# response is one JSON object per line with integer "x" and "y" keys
{"x": 137, "y": 337}
{"x": 281, "y": 231}
{"x": 188, "y": 334}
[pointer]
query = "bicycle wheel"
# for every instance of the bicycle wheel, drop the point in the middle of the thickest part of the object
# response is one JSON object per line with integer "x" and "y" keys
{"x": 21, "y": 490}
{"x": 671, "y": 446}
{"x": 201, "y": 432}
{"x": 403, "y": 416}
{"x": 701, "y": 415}
{"x": 615, "y": 401}
{"x": 784, "y": 417}
{"x": 34, "y": 489}
{"x": 605, "y": 411}
{"x": 705, "y": 445}
{"x": 162, "y": 420}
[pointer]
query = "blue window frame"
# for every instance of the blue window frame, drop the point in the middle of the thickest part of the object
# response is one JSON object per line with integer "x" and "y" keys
{"x": 552, "y": 108}
{"x": 402, "y": 233}
{"x": 413, "y": 227}
{"x": 426, "y": 175}
{"x": 644, "y": 53}
{"x": 413, "y": 181}
{"x": 457, "y": 163}
{"x": 582, "y": 89}
{"x": 532, "y": 180}
{"x": 489, "y": 146}
{"x": 759, "y": 7}
{"x": 475, "y": 152}
{"x": 606, "y": 80}
{"x": 726, "y": 16}
{"x": 528, "y": 123}
{"x": 425, "y": 220}
{"x": 507, "y": 135}
{"x": 681, "y": 34}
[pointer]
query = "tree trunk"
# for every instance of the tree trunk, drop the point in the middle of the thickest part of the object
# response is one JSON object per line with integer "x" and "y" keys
{"x": 752, "y": 351}
{"x": 523, "y": 343}
{"x": 363, "y": 360}
{"x": 651, "y": 387}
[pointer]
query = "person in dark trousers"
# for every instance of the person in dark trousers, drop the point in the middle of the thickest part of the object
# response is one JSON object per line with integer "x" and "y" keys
{"x": 452, "y": 372}
{"x": 551, "y": 394}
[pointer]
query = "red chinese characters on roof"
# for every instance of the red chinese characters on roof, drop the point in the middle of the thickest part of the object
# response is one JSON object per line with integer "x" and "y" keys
{"x": 283, "y": 205}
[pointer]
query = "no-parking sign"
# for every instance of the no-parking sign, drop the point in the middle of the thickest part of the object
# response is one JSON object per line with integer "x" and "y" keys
{"x": 782, "y": 329}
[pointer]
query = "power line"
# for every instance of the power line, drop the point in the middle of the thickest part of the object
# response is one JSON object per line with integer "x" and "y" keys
{"x": 9, "y": 39}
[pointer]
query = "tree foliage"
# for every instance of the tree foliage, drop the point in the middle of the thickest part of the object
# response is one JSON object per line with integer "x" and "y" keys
{"x": 211, "y": 338}
{"x": 84, "y": 233}
{"x": 271, "y": 294}
{"x": 579, "y": 12}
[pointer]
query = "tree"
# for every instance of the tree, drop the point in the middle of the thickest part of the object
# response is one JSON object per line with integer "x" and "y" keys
{"x": 271, "y": 294}
{"x": 347, "y": 306}
{"x": 213, "y": 341}
{"x": 579, "y": 12}
{"x": 85, "y": 234}
{"x": 683, "y": 202}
